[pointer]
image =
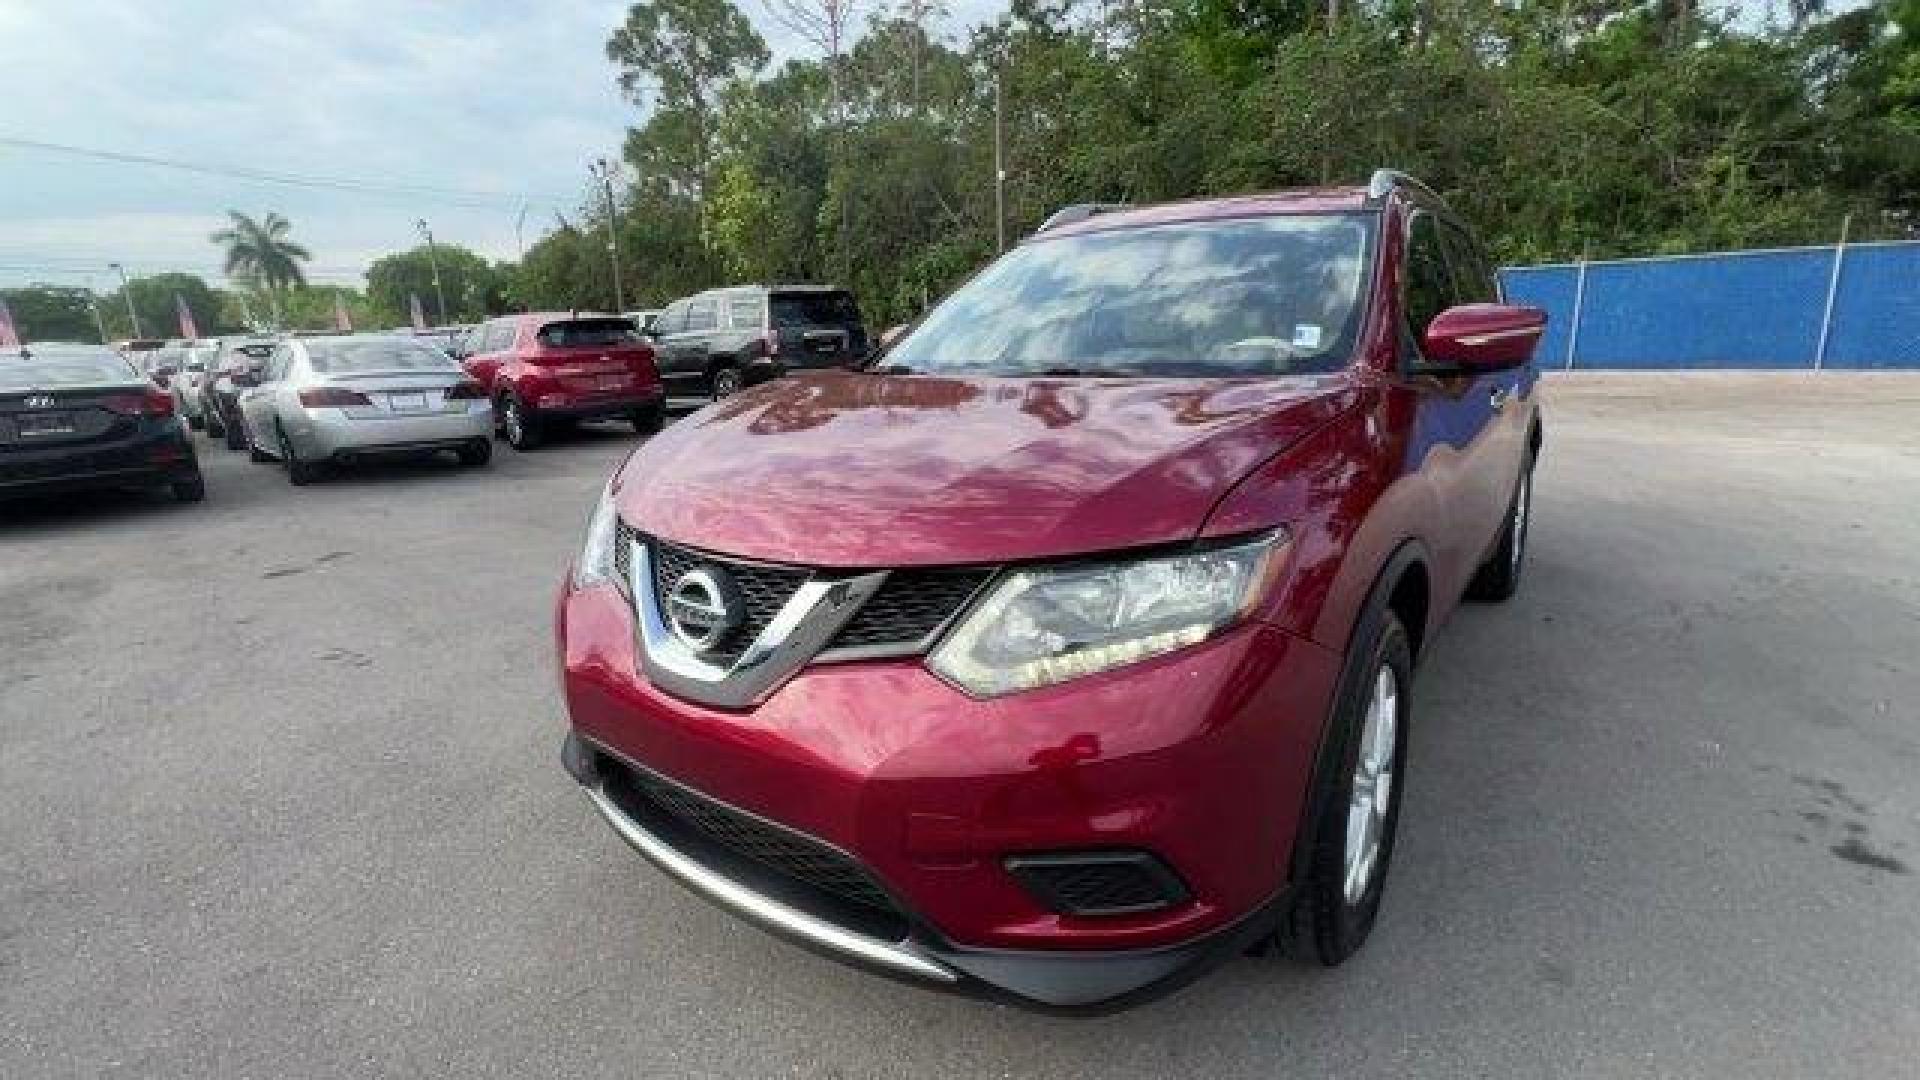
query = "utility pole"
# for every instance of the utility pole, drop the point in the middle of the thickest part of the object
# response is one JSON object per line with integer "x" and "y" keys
{"x": 126, "y": 293}
{"x": 99, "y": 320}
{"x": 519, "y": 232}
{"x": 433, "y": 261}
{"x": 999, "y": 168}
{"x": 603, "y": 170}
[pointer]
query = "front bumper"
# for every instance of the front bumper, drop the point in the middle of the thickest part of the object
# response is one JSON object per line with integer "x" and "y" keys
{"x": 325, "y": 434}
{"x": 1201, "y": 757}
{"x": 1061, "y": 980}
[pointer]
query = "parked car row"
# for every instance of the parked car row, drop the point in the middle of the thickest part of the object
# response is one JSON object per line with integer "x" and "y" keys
{"x": 708, "y": 345}
{"x": 310, "y": 401}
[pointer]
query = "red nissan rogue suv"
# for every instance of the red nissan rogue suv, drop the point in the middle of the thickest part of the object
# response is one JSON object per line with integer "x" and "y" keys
{"x": 1069, "y": 648}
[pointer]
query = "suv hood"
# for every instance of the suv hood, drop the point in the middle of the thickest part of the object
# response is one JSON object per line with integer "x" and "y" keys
{"x": 861, "y": 470}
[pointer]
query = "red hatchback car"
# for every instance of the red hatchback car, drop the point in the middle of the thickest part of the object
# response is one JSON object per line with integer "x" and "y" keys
{"x": 549, "y": 367}
{"x": 1069, "y": 649}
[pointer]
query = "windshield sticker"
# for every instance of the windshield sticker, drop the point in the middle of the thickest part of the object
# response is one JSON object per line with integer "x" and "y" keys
{"x": 1306, "y": 336}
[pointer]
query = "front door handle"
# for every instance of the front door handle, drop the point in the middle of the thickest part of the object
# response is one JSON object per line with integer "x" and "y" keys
{"x": 1497, "y": 397}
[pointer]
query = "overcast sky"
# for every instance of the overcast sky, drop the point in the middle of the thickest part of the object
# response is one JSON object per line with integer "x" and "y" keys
{"x": 474, "y": 96}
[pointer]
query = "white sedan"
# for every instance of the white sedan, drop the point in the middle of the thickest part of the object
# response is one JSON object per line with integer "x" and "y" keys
{"x": 186, "y": 383}
{"x": 323, "y": 400}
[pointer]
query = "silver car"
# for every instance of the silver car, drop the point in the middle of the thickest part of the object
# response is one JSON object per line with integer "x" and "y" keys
{"x": 186, "y": 384}
{"x": 329, "y": 399}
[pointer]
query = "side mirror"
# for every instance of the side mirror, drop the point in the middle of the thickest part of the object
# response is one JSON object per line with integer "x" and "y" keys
{"x": 1483, "y": 337}
{"x": 891, "y": 334}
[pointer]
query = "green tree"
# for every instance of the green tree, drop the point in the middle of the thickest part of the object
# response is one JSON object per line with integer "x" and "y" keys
{"x": 153, "y": 298}
{"x": 51, "y": 313}
{"x": 312, "y": 307}
{"x": 260, "y": 252}
{"x": 681, "y": 55}
{"x": 473, "y": 287}
{"x": 1558, "y": 126}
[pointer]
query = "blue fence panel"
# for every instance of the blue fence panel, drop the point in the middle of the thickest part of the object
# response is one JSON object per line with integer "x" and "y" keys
{"x": 1552, "y": 288}
{"x": 1746, "y": 311}
{"x": 1876, "y": 312}
{"x": 1751, "y": 309}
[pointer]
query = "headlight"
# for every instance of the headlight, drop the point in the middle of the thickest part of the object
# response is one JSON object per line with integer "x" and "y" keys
{"x": 595, "y": 566}
{"x": 1042, "y": 626}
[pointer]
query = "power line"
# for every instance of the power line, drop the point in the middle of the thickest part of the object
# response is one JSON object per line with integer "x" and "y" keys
{"x": 85, "y": 262}
{"x": 99, "y": 270}
{"x": 468, "y": 196}
{"x": 150, "y": 267}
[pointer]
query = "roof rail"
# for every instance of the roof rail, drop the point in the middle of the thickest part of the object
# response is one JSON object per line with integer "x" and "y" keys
{"x": 1385, "y": 180}
{"x": 1068, "y": 215}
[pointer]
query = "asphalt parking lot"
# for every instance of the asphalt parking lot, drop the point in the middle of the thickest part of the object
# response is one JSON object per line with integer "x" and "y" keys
{"x": 279, "y": 793}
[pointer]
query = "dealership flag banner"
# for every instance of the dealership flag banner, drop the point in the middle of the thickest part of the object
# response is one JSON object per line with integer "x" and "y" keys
{"x": 341, "y": 320}
{"x": 9, "y": 337}
{"x": 419, "y": 313}
{"x": 187, "y": 329}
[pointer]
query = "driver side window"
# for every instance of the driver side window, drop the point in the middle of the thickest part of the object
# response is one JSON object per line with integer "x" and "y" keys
{"x": 1427, "y": 285}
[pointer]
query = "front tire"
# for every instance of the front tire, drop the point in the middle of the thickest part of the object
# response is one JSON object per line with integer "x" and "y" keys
{"x": 214, "y": 428}
{"x": 727, "y": 382}
{"x": 1358, "y": 800}
{"x": 236, "y": 432}
{"x": 518, "y": 425}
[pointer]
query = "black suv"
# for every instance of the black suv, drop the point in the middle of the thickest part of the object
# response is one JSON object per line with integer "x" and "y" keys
{"x": 713, "y": 343}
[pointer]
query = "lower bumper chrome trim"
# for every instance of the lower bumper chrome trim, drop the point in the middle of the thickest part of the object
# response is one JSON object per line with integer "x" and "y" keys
{"x": 764, "y": 910}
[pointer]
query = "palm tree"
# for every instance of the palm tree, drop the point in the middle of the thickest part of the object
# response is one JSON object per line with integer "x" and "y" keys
{"x": 259, "y": 251}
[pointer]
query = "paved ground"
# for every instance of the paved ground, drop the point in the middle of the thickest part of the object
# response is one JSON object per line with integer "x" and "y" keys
{"x": 278, "y": 794}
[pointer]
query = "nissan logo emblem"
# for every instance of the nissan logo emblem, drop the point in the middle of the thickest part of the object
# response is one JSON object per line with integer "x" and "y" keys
{"x": 703, "y": 607}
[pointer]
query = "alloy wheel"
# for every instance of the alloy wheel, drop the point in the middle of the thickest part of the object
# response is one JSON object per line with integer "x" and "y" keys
{"x": 1373, "y": 787}
{"x": 514, "y": 424}
{"x": 1522, "y": 506}
{"x": 726, "y": 383}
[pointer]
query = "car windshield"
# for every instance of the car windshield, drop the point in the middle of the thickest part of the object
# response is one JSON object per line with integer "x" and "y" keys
{"x": 812, "y": 309}
{"x": 45, "y": 371}
{"x": 374, "y": 354}
{"x": 587, "y": 333}
{"x": 1247, "y": 297}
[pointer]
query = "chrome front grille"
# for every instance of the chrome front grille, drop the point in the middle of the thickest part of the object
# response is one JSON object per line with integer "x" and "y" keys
{"x": 764, "y": 589}
{"x": 899, "y": 619}
{"x": 909, "y": 608}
